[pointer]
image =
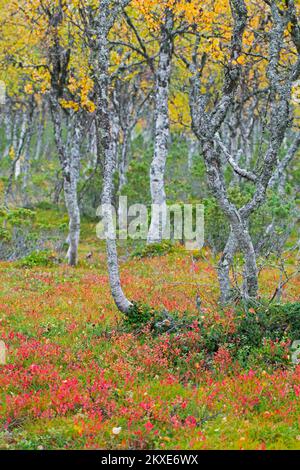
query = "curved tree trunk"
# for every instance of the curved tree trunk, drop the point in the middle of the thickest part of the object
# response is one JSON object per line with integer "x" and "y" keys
{"x": 105, "y": 125}
{"x": 119, "y": 297}
{"x": 206, "y": 126}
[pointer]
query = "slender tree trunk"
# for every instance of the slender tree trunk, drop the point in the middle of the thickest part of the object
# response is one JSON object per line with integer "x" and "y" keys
{"x": 123, "y": 163}
{"x": 69, "y": 156}
{"x": 19, "y": 141}
{"x": 119, "y": 297}
{"x": 9, "y": 127}
{"x": 22, "y": 139}
{"x": 71, "y": 196}
{"x": 224, "y": 269}
{"x": 280, "y": 175}
{"x": 192, "y": 149}
{"x": 206, "y": 126}
{"x": 162, "y": 132}
{"x": 104, "y": 122}
{"x": 70, "y": 191}
{"x": 123, "y": 160}
{"x": 40, "y": 132}
{"x": 115, "y": 133}
{"x": 26, "y": 168}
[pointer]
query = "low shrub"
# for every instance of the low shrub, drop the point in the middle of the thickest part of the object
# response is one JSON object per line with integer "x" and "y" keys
{"x": 154, "y": 249}
{"x": 21, "y": 234}
{"x": 252, "y": 336}
{"x": 5, "y": 235}
{"x": 38, "y": 258}
{"x": 274, "y": 321}
{"x": 139, "y": 315}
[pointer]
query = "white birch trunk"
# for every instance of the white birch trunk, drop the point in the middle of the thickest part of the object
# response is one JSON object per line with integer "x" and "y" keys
{"x": 20, "y": 146}
{"x": 40, "y": 132}
{"x": 162, "y": 133}
{"x": 192, "y": 150}
{"x": 104, "y": 23}
{"x": 71, "y": 196}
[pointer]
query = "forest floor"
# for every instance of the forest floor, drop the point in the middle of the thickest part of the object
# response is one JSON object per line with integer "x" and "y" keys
{"x": 76, "y": 379}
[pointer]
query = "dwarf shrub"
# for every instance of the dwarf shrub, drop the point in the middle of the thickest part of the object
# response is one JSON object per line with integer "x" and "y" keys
{"x": 38, "y": 258}
{"x": 154, "y": 249}
{"x": 260, "y": 335}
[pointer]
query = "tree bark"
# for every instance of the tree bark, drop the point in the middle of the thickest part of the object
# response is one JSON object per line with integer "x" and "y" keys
{"x": 19, "y": 141}
{"x": 192, "y": 150}
{"x": 206, "y": 126}
{"x": 124, "y": 160}
{"x": 71, "y": 195}
{"x": 40, "y": 131}
{"x": 250, "y": 280}
{"x": 26, "y": 167}
{"x": 162, "y": 131}
{"x": 69, "y": 157}
{"x": 104, "y": 22}
{"x": 224, "y": 269}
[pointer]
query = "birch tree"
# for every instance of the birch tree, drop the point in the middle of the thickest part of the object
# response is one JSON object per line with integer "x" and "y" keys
{"x": 166, "y": 20}
{"x": 21, "y": 135}
{"x": 98, "y": 23}
{"x": 206, "y": 124}
{"x": 162, "y": 129}
{"x": 129, "y": 102}
{"x": 69, "y": 156}
{"x": 52, "y": 70}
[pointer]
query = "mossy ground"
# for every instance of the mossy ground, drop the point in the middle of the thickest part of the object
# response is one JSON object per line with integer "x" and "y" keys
{"x": 74, "y": 374}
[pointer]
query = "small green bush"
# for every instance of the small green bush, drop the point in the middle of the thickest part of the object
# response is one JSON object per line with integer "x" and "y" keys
{"x": 46, "y": 205}
{"x": 38, "y": 258}
{"x": 139, "y": 315}
{"x": 274, "y": 321}
{"x": 159, "y": 321}
{"x": 271, "y": 353}
{"x": 20, "y": 216}
{"x": 154, "y": 249}
{"x": 258, "y": 335}
{"x": 5, "y": 235}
